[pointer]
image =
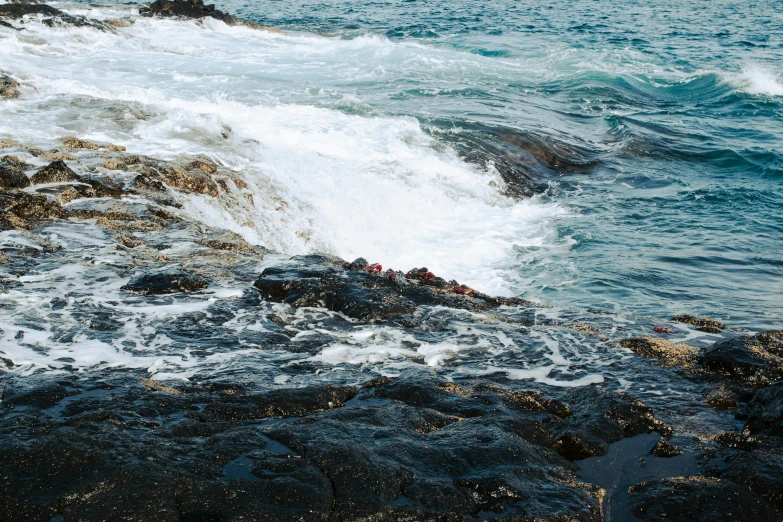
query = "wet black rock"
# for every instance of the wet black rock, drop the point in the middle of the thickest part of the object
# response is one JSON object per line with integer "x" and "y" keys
{"x": 699, "y": 499}
{"x": 765, "y": 412}
{"x": 703, "y": 324}
{"x": 185, "y": 9}
{"x": 393, "y": 461}
{"x": 18, "y": 10}
{"x": 760, "y": 470}
{"x": 322, "y": 281}
{"x": 599, "y": 419}
{"x": 166, "y": 281}
{"x": 755, "y": 360}
{"x": 55, "y": 172}
{"x": 15, "y": 11}
{"x": 664, "y": 449}
{"x": 22, "y": 210}
{"x": 39, "y": 394}
{"x": 12, "y": 174}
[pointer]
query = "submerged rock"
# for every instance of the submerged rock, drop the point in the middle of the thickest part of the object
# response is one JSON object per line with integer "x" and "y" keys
{"x": 703, "y": 324}
{"x": 698, "y": 499}
{"x": 669, "y": 353}
{"x": 55, "y": 172}
{"x": 166, "y": 281}
{"x": 664, "y": 449}
{"x": 185, "y": 9}
{"x": 755, "y": 360}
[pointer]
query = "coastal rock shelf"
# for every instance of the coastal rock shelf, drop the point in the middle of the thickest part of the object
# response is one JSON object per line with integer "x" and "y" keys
{"x": 321, "y": 389}
{"x": 179, "y": 341}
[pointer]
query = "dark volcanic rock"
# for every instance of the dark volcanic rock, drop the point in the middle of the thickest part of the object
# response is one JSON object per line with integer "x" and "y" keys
{"x": 664, "y": 449}
{"x": 703, "y": 324}
{"x": 18, "y": 10}
{"x": 755, "y": 360}
{"x": 12, "y": 176}
{"x": 15, "y": 11}
{"x": 22, "y": 210}
{"x": 55, "y": 172}
{"x": 599, "y": 419}
{"x": 393, "y": 461}
{"x": 765, "y": 412}
{"x": 321, "y": 281}
{"x": 760, "y": 470}
{"x": 167, "y": 281}
{"x": 185, "y": 9}
{"x": 699, "y": 499}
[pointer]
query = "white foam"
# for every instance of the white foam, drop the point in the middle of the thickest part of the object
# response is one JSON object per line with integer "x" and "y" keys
{"x": 322, "y": 180}
{"x": 757, "y": 79}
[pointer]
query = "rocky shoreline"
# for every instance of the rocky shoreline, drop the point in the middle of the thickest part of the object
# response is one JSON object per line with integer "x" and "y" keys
{"x": 307, "y": 426}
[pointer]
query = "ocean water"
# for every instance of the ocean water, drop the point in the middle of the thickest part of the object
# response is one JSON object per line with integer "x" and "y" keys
{"x": 589, "y": 155}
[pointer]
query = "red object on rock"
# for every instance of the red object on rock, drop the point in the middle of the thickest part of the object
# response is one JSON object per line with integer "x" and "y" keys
{"x": 373, "y": 268}
{"x": 459, "y": 290}
{"x": 391, "y": 274}
{"x": 429, "y": 276}
{"x": 662, "y": 329}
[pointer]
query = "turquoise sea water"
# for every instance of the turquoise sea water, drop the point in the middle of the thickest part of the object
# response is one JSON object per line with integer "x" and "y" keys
{"x": 672, "y": 111}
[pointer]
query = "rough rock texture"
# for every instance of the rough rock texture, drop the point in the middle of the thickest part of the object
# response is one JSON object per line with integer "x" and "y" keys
{"x": 664, "y": 449}
{"x": 74, "y": 143}
{"x": 165, "y": 281}
{"x": 194, "y": 180}
{"x": 15, "y": 11}
{"x": 754, "y": 360}
{"x": 699, "y": 499}
{"x": 703, "y": 324}
{"x": 765, "y": 412}
{"x": 760, "y": 470}
{"x": 23, "y": 210}
{"x": 669, "y": 353}
{"x": 12, "y": 174}
{"x": 55, "y": 172}
{"x": 185, "y": 9}
{"x": 9, "y": 88}
{"x": 322, "y": 281}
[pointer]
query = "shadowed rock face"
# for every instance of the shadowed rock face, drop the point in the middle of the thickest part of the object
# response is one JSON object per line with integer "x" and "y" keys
{"x": 185, "y": 9}
{"x": 167, "y": 281}
{"x": 323, "y": 281}
{"x": 55, "y": 172}
{"x": 755, "y": 360}
{"x": 698, "y": 499}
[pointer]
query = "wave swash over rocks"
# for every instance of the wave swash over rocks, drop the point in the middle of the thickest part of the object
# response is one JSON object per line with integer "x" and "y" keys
{"x": 181, "y": 338}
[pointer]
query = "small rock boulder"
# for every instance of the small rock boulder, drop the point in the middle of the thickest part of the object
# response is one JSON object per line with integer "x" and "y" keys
{"x": 12, "y": 173}
{"x": 765, "y": 412}
{"x": 664, "y": 449}
{"x": 55, "y": 172}
{"x": 9, "y": 88}
{"x": 669, "y": 353}
{"x": 166, "y": 281}
{"x": 185, "y": 9}
{"x": 756, "y": 360}
{"x": 703, "y": 324}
